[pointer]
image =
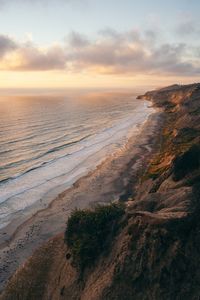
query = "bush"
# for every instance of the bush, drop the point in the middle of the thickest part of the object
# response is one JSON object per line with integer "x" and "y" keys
{"x": 186, "y": 163}
{"x": 186, "y": 135}
{"x": 89, "y": 232}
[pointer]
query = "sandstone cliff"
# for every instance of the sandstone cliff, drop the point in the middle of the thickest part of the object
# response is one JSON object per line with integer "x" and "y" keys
{"x": 156, "y": 252}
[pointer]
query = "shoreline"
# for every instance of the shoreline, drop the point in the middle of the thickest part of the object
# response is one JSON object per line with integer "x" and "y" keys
{"x": 118, "y": 174}
{"x": 32, "y": 191}
{"x": 85, "y": 167}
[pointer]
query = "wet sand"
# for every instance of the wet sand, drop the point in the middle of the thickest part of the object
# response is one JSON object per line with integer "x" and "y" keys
{"x": 116, "y": 178}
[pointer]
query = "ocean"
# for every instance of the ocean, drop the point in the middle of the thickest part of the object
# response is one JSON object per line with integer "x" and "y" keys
{"x": 48, "y": 142}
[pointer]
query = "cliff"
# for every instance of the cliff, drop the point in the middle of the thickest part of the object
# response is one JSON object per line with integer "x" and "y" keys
{"x": 155, "y": 253}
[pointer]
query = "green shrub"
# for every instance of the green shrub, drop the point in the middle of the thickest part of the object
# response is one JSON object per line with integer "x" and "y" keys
{"x": 186, "y": 163}
{"x": 186, "y": 135}
{"x": 89, "y": 232}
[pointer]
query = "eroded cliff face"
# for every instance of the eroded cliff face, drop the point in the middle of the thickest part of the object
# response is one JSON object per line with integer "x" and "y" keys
{"x": 156, "y": 254}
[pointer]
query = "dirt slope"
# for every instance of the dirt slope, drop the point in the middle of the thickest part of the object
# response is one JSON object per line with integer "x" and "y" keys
{"x": 156, "y": 254}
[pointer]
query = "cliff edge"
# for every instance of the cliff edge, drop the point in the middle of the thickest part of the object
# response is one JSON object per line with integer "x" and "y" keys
{"x": 155, "y": 253}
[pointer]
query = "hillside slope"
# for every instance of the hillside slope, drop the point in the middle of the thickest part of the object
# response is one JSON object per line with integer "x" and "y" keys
{"x": 156, "y": 253}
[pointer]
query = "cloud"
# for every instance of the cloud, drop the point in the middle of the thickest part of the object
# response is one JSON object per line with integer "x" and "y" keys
{"x": 187, "y": 28}
{"x": 131, "y": 53}
{"x": 34, "y": 59}
{"x": 29, "y": 57}
{"x": 6, "y": 45}
{"x": 76, "y": 40}
{"x": 111, "y": 52}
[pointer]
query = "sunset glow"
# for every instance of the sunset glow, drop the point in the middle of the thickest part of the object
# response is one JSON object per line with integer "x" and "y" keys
{"x": 99, "y": 149}
{"x": 121, "y": 49}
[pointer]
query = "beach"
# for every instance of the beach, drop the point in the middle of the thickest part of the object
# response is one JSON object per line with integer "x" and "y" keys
{"x": 115, "y": 178}
{"x": 48, "y": 143}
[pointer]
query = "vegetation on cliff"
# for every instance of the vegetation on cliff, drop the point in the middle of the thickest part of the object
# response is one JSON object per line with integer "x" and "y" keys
{"x": 154, "y": 245}
{"x": 186, "y": 163}
{"x": 90, "y": 232}
{"x": 163, "y": 257}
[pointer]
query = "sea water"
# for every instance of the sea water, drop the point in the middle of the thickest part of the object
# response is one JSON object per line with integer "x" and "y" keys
{"x": 47, "y": 141}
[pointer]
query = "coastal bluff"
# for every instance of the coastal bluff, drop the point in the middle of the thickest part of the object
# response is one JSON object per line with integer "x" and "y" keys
{"x": 155, "y": 252}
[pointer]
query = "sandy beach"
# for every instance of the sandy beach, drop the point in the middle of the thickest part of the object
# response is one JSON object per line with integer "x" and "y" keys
{"x": 116, "y": 178}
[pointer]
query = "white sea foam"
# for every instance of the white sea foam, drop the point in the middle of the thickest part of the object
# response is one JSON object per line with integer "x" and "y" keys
{"x": 26, "y": 190}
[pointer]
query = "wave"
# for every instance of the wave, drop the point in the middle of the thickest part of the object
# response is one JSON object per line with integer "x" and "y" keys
{"x": 52, "y": 150}
{"x": 25, "y": 189}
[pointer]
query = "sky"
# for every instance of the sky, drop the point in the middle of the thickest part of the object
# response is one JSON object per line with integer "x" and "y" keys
{"x": 98, "y": 43}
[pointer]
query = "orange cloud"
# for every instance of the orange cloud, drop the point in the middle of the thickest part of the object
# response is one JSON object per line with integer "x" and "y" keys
{"x": 127, "y": 53}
